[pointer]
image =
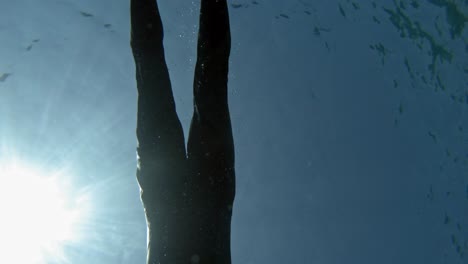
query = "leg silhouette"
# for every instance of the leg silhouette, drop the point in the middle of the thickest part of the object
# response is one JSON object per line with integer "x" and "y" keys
{"x": 187, "y": 197}
{"x": 161, "y": 146}
{"x": 210, "y": 144}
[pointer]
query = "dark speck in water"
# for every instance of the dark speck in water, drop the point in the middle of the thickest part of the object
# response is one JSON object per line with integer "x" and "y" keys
{"x": 86, "y": 14}
{"x": 433, "y": 136}
{"x": 4, "y": 76}
{"x": 447, "y": 219}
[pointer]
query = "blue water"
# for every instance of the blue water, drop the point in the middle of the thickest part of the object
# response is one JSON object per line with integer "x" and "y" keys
{"x": 350, "y": 121}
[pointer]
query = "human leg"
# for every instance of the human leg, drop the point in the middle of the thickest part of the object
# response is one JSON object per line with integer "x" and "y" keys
{"x": 159, "y": 130}
{"x": 161, "y": 146}
{"x": 210, "y": 144}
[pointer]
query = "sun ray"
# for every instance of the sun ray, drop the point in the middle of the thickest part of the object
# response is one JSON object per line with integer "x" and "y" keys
{"x": 39, "y": 214}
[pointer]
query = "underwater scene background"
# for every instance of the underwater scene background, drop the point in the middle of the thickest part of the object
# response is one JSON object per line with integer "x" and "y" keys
{"x": 350, "y": 122}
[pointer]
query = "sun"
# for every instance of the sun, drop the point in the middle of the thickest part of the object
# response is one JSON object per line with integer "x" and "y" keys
{"x": 38, "y": 215}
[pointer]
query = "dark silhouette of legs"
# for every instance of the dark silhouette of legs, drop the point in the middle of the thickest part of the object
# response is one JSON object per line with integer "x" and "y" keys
{"x": 161, "y": 146}
{"x": 187, "y": 198}
{"x": 210, "y": 144}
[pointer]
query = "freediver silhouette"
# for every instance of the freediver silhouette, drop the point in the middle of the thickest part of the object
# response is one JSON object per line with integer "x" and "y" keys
{"x": 187, "y": 195}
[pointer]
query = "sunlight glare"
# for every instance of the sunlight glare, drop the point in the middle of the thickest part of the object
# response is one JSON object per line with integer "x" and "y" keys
{"x": 37, "y": 216}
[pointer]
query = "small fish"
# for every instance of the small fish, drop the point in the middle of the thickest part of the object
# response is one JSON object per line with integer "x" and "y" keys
{"x": 342, "y": 11}
{"x": 318, "y": 30}
{"x": 236, "y": 5}
{"x": 107, "y": 25}
{"x": 446, "y": 219}
{"x": 423, "y": 79}
{"x": 454, "y": 239}
{"x": 4, "y": 76}
{"x": 31, "y": 45}
{"x": 285, "y": 16}
{"x": 408, "y": 68}
{"x": 308, "y": 12}
{"x": 433, "y": 136}
{"x": 86, "y": 14}
{"x": 255, "y": 2}
{"x": 448, "y": 153}
{"x": 430, "y": 195}
{"x": 376, "y": 20}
